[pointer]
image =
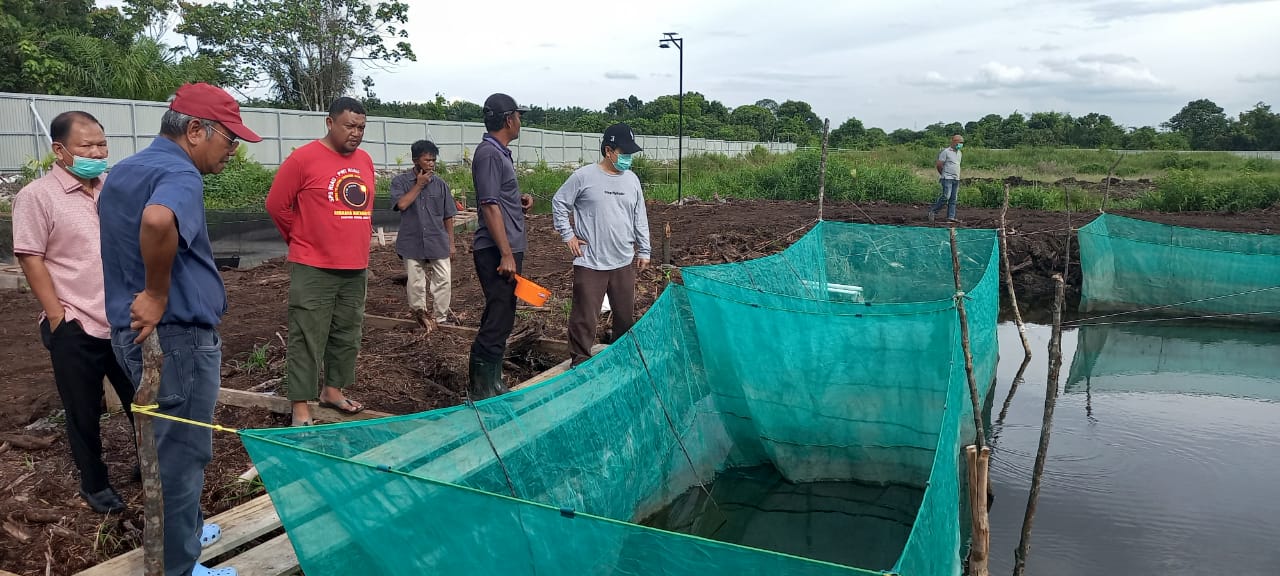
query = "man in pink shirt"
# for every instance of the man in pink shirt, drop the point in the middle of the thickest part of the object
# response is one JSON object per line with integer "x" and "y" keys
{"x": 56, "y": 240}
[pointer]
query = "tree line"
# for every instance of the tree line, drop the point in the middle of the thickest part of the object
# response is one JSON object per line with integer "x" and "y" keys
{"x": 306, "y": 52}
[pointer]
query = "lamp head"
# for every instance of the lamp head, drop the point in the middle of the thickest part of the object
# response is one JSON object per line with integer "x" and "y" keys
{"x": 663, "y": 44}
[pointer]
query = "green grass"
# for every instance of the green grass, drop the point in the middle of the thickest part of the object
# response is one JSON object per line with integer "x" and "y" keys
{"x": 1215, "y": 181}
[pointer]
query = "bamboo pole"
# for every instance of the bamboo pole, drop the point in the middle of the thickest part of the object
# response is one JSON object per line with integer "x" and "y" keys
{"x": 1050, "y": 400}
{"x": 153, "y": 497}
{"x": 980, "y": 535}
{"x": 964, "y": 343}
{"x": 1008, "y": 279}
{"x": 822, "y": 166}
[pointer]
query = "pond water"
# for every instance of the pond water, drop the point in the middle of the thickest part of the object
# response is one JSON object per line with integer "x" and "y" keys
{"x": 1164, "y": 459}
{"x": 846, "y": 523}
{"x": 1164, "y": 455}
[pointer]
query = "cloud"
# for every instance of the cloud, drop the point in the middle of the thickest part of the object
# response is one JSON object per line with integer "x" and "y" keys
{"x": 615, "y": 75}
{"x": 1259, "y": 78}
{"x": 1123, "y": 9}
{"x": 1110, "y": 58}
{"x": 1107, "y": 73}
{"x": 547, "y": 45}
{"x": 1041, "y": 48}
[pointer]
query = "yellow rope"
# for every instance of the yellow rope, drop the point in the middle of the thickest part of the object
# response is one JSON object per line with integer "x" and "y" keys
{"x": 150, "y": 410}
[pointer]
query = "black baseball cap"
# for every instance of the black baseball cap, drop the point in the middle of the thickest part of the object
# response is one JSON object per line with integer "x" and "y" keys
{"x": 621, "y": 137}
{"x": 500, "y": 104}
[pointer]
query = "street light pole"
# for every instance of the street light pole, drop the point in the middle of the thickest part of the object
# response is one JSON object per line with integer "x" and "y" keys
{"x": 669, "y": 38}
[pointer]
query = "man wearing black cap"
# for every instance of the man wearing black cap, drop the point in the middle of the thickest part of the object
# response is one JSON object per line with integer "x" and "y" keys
{"x": 609, "y": 238}
{"x": 500, "y": 242}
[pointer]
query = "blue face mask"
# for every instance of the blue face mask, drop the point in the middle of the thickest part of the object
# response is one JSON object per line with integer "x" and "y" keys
{"x": 623, "y": 163}
{"x": 87, "y": 168}
{"x": 959, "y": 145}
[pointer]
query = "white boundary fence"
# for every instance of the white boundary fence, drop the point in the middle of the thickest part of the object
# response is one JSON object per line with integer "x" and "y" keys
{"x": 132, "y": 124}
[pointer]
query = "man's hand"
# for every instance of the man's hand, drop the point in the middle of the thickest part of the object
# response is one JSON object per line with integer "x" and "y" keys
{"x": 145, "y": 314}
{"x": 424, "y": 176}
{"x": 526, "y": 202}
{"x": 642, "y": 264}
{"x": 54, "y": 322}
{"x": 575, "y": 246}
{"x": 507, "y": 267}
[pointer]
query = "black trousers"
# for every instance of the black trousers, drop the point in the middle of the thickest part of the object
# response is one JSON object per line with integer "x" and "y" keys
{"x": 80, "y": 362}
{"x": 499, "y": 304}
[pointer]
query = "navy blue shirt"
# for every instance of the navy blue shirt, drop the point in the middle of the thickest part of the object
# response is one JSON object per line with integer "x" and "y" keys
{"x": 494, "y": 175}
{"x": 162, "y": 174}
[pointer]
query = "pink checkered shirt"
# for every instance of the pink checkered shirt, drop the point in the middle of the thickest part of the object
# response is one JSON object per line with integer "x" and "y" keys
{"x": 56, "y": 218}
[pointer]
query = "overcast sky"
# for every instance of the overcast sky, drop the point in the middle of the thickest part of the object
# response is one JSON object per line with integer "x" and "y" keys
{"x": 891, "y": 64}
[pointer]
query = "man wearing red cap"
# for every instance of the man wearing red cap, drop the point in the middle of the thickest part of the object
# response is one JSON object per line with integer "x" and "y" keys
{"x": 322, "y": 202}
{"x": 161, "y": 279}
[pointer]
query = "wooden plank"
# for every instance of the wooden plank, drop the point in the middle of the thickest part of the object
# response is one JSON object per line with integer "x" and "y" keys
{"x": 241, "y": 524}
{"x": 554, "y": 371}
{"x": 282, "y": 405}
{"x": 275, "y": 557}
{"x": 258, "y": 517}
{"x": 548, "y": 345}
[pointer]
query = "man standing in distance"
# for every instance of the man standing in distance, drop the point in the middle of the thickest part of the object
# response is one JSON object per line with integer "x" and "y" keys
{"x": 609, "y": 235}
{"x": 425, "y": 237}
{"x": 322, "y": 202}
{"x": 56, "y": 239}
{"x": 160, "y": 277}
{"x": 500, "y": 242}
{"x": 948, "y": 166}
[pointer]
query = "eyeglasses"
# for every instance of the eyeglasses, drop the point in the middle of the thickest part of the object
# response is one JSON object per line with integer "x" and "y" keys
{"x": 232, "y": 139}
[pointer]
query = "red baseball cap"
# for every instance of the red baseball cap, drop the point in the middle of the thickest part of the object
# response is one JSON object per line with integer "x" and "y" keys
{"x": 209, "y": 102}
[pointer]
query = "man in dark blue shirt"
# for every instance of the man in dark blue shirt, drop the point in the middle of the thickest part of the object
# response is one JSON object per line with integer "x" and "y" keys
{"x": 500, "y": 242}
{"x": 160, "y": 278}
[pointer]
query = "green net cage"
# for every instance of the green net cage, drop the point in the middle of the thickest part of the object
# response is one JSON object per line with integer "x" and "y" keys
{"x": 1134, "y": 264}
{"x": 836, "y": 360}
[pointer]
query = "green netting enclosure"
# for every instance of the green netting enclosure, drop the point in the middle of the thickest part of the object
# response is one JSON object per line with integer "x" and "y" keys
{"x": 1130, "y": 264}
{"x": 836, "y": 359}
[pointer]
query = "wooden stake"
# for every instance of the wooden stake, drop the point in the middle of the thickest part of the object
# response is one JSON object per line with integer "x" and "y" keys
{"x": 1008, "y": 279}
{"x": 964, "y": 343}
{"x": 1050, "y": 400}
{"x": 1066, "y": 264}
{"x": 666, "y": 244}
{"x": 1106, "y": 196}
{"x": 822, "y": 167}
{"x": 153, "y": 497}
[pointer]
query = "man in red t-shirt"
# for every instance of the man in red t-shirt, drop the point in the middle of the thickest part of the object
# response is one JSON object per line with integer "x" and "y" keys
{"x": 322, "y": 202}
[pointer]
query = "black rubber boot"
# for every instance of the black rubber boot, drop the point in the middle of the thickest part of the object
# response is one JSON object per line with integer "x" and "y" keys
{"x": 485, "y": 379}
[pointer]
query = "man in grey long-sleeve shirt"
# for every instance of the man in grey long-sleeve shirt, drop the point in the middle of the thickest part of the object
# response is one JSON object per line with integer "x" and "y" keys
{"x": 610, "y": 233}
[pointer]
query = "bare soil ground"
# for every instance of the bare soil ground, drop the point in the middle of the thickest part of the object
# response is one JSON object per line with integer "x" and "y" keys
{"x": 44, "y": 525}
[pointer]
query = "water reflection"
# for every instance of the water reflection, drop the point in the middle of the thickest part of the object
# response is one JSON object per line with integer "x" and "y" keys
{"x": 1165, "y": 451}
{"x": 1170, "y": 358}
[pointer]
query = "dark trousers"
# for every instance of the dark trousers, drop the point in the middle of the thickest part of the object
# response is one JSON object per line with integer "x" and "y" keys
{"x": 589, "y": 289}
{"x": 499, "y": 304}
{"x": 80, "y": 362}
{"x": 189, "y": 383}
